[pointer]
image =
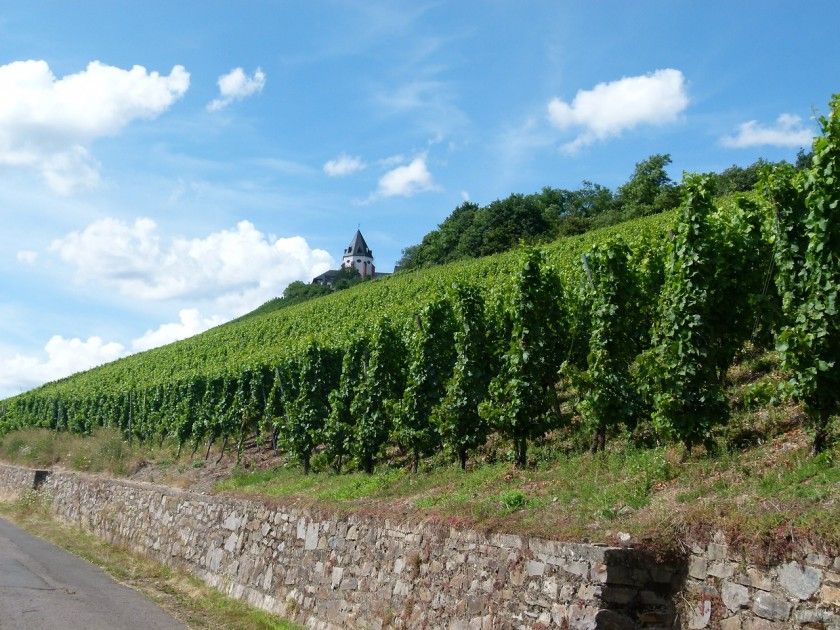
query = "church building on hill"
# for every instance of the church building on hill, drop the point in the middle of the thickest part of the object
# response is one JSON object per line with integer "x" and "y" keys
{"x": 356, "y": 255}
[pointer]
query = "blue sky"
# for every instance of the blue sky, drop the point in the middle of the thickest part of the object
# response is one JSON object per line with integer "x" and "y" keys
{"x": 143, "y": 204}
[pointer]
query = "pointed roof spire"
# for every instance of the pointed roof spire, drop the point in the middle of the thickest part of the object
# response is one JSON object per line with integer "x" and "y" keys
{"x": 358, "y": 246}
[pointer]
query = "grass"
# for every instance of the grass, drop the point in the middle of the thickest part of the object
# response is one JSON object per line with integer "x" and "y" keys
{"x": 105, "y": 450}
{"x": 183, "y": 596}
{"x": 761, "y": 496}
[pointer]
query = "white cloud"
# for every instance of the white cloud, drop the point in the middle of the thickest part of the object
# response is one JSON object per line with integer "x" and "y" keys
{"x": 407, "y": 180}
{"x": 392, "y": 160}
{"x": 190, "y": 322}
{"x": 48, "y": 124}
{"x": 465, "y": 195}
{"x": 787, "y": 132}
{"x": 61, "y": 358}
{"x": 27, "y": 256}
{"x": 235, "y": 86}
{"x": 238, "y": 268}
{"x": 344, "y": 165}
{"x": 611, "y": 108}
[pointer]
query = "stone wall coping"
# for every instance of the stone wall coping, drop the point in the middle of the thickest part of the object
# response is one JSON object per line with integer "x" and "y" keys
{"x": 540, "y": 547}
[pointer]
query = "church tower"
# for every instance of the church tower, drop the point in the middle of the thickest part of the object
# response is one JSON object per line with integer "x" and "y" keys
{"x": 359, "y": 255}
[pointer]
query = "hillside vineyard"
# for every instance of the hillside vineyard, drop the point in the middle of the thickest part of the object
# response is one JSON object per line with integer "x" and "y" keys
{"x": 636, "y": 323}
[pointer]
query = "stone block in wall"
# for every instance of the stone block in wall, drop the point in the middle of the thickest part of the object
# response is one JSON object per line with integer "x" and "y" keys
{"x": 755, "y": 579}
{"x": 731, "y": 623}
{"x": 817, "y": 618}
{"x": 700, "y": 614}
{"x": 722, "y": 569}
{"x": 757, "y": 623}
{"x": 735, "y": 596}
{"x": 830, "y": 595}
{"x": 697, "y": 567}
{"x": 800, "y": 582}
{"x": 771, "y": 607}
{"x": 717, "y": 551}
{"x": 818, "y": 560}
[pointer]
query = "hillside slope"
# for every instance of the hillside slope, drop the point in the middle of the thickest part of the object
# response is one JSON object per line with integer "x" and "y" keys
{"x": 262, "y": 339}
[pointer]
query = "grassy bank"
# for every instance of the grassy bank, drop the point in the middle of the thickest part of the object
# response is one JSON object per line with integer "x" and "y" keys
{"x": 105, "y": 450}
{"x": 765, "y": 496}
{"x": 183, "y": 596}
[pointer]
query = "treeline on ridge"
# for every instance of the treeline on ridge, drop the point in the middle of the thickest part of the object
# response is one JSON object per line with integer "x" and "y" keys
{"x": 472, "y": 230}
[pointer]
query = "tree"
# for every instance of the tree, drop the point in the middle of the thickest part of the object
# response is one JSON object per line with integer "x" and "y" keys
{"x": 318, "y": 371}
{"x": 346, "y": 278}
{"x": 649, "y": 189}
{"x": 522, "y": 396}
{"x": 430, "y": 363}
{"x": 608, "y": 397}
{"x": 251, "y": 403}
{"x": 381, "y": 388}
{"x": 340, "y": 424}
{"x": 282, "y": 391}
{"x": 808, "y": 216}
{"x": 460, "y": 424}
{"x": 299, "y": 291}
{"x": 739, "y": 179}
{"x": 712, "y": 279}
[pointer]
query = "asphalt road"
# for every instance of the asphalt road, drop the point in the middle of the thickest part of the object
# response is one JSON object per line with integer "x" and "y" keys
{"x": 43, "y": 587}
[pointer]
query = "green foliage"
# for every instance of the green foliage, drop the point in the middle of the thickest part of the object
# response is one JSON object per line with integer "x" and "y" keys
{"x": 713, "y": 300}
{"x": 472, "y": 230}
{"x": 737, "y": 179}
{"x": 808, "y": 214}
{"x": 340, "y": 424}
{"x": 649, "y": 189}
{"x": 378, "y": 394}
{"x": 298, "y": 292}
{"x": 522, "y": 397}
{"x": 687, "y": 394}
{"x": 608, "y": 396}
{"x": 457, "y": 417}
{"x": 281, "y": 392}
{"x": 431, "y": 358}
{"x": 318, "y": 374}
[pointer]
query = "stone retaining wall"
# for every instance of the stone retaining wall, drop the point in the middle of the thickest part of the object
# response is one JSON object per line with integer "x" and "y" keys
{"x": 328, "y": 571}
{"x": 14, "y": 481}
{"x": 339, "y": 572}
{"x": 727, "y": 592}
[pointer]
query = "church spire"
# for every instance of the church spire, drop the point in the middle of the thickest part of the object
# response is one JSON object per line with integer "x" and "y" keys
{"x": 359, "y": 255}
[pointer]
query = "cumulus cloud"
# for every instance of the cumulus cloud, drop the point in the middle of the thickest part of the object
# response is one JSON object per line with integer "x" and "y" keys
{"x": 344, "y": 165}
{"x": 407, "y": 180}
{"x": 611, "y": 108}
{"x": 787, "y": 132}
{"x": 190, "y": 322}
{"x": 48, "y": 124}
{"x": 61, "y": 357}
{"x": 235, "y": 86}
{"x": 238, "y": 268}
